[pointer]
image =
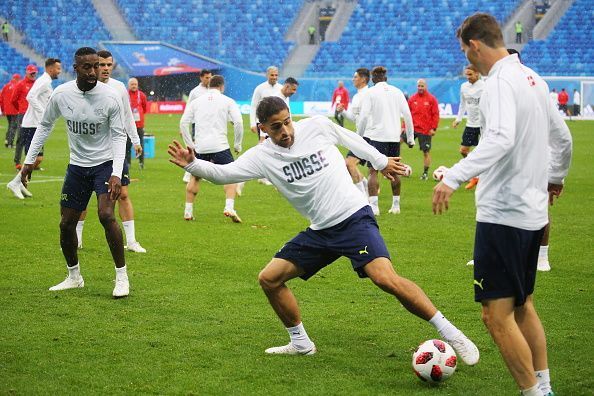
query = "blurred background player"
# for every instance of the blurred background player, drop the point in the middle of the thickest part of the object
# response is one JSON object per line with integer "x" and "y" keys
{"x": 96, "y": 162}
{"x": 205, "y": 75}
{"x": 360, "y": 81}
{"x": 125, "y": 208}
{"x": 210, "y": 113}
{"x": 270, "y": 87}
{"x": 470, "y": 96}
{"x": 9, "y": 110}
{"x": 340, "y": 96}
{"x": 37, "y": 98}
{"x": 19, "y": 101}
{"x": 425, "y": 115}
{"x": 139, "y": 105}
{"x": 379, "y": 121}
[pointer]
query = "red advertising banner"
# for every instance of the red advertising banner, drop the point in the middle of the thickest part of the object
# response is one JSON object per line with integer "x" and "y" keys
{"x": 173, "y": 107}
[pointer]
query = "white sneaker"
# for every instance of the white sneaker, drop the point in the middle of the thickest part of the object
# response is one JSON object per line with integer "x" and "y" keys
{"x": 264, "y": 181}
{"x": 186, "y": 178}
{"x": 543, "y": 264}
{"x": 24, "y": 190}
{"x": 122, "y": 288}
{"x": 239, "y": 188}
{"x": 466, "y": 349}
{"x": 69, "y": 283}
{"x": 79, "y": 246}
{"x": 471, "y": 262}
{"x": 394, "y": 210}
{"x": 16, "y": 190}
{"x": 290, "y": 349}
{"x": 135, "y": 247}
{"x": 232, "y": 215}
{"x": 188, "y": 216}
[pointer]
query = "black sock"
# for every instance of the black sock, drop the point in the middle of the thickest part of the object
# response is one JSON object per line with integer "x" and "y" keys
{"x": 426, "y": 169}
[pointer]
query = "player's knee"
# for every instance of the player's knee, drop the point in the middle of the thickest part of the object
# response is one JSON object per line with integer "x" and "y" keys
{"x": 123, "y": 195}
{"x": 106, "y": 216}
{"x": 267, "y": 280}
{"x": 67, "y": 225}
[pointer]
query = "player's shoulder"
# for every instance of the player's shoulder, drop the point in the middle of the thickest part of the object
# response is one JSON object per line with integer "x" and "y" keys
{"x": 116, "y": 84}
{"x": 69, "y": 86}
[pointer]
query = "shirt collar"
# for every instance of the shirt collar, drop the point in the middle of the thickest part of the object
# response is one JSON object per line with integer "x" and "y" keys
{"x": 508, "y": 60}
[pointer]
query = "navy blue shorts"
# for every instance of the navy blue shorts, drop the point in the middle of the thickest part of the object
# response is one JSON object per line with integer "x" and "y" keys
{"x": 424, "y": 142}
{"x": 221, "y": 158}
{"x": 470, "y": 136}
{"x": 80, "y": 182}
{"x": 125, "y": 174}
{"x": 389, "y": 149}
{"x": 356, "y": 237}
{"x": 505, "y": 260}
{"x": 27, "y": 137}
{"x": 362, "y": 161}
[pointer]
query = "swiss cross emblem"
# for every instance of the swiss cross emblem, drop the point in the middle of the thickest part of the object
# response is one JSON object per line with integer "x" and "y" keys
{"x": 531, "y": 81}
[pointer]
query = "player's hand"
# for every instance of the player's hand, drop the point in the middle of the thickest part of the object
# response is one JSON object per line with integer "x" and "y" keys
{"x": 180, "y": 156}
{"x": 137, "y": 150}
{"x": 254, "y": 129}
{"x": 394, "y": 168}
{"x": 455, "y": 123}
{"x": 114, "y": 187}
{"x": 26, "y": 172}
{"x": 441, "y": 197}
{"x": 237, "y": 149}
{"x": 411, "y": 143}
{"x": 555, "y": 190}
{"x": 432, "y": 132}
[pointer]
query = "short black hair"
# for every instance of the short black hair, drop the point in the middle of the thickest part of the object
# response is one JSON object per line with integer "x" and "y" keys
{"x": 363, "y": 72}
{"x": 204, "y": 72}
{"x": 378, "y": 74}
{"x": 291, "y": 80}
{"x": 84, "y": 51}
{"x": 270, "y": 106}
{"x": 104, "y": 54}
{"x": 51, "y": 62}
{"x": 216, "y": 81}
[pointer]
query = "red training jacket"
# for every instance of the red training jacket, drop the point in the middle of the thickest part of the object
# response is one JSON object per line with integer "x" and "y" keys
{"x": 139, "y": 105}
{"x": 344, "y": 97}
{"x": 425, "y": 112}
{"x": 563, "y": 98}
{"x": 6, "y": 96}
{"x": 19, "y": 95}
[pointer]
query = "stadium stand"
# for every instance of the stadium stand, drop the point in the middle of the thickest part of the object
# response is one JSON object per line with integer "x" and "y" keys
{"x": 568, "y": 49}
{"x": 12, "y": 62}
{"x": 411, "y": 38}
{"x": 237, "y": 33}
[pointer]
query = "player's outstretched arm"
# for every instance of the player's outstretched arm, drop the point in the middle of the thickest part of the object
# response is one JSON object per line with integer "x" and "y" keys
{"x": 394, "y": 167}
{"x": 180, "y": 156}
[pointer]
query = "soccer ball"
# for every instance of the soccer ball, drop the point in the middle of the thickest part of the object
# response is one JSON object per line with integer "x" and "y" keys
{"x": 434, "y": 361}
{"x": 407, "y": 171}
{"x": 439, "y": 173}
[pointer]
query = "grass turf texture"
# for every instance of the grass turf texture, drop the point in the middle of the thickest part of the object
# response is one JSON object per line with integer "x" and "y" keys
{"x": 196, "y": 321}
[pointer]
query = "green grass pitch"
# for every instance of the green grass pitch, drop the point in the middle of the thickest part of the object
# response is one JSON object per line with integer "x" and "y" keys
{"x": 196, "y": 321}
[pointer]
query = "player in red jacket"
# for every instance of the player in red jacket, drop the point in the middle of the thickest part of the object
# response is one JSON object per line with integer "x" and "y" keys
{"x": 19, "y": 101}
{"x": 340, "y": 95}
{"x": 563, "y": 98}
{"x": 425, "y": 114}
{"x": 9, "y": 110}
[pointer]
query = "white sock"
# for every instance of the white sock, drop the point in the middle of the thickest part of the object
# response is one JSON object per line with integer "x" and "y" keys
{"x": 543, "y": 253}
{"x": 532, "y": 391}
{"x": 129, "y": 231}
{"x": 299, "y": 337}
{"x": 74, "y": 272}
{"x": 373, "y": 200}
{"x": 16, "y": 179}
{"x": 79, "y": 230}
{"x": 544, "y": 381}
{"x": 189, "y": 207}
{"x": 121, "y": 273}
{"x": 229, "y": 204}
{"x": 443, "y": 326}
{"x": 396, "y": 201}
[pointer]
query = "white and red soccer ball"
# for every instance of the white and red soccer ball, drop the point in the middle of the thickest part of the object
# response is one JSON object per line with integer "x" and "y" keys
{"x": 407, "y": 170}
{"x": 434, "y": 361}
{"x": 439, "y": 173}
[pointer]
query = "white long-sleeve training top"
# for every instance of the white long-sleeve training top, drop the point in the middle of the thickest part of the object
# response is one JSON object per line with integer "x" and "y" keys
{"x": 310, "y": 174}
{"x": 211, "y": 112}
{"x": 38, "y": 97}
{"x": 196, "y": 92}
{"x": 379, "y": 118}
{"x": 352, "y": 113}
{"x": 263, "y": 90}
{"x": 93, "y": 122}
{"x": 470, "y": 96}
{"x": 525, "y": 145}
{"x": 127, "y": 115}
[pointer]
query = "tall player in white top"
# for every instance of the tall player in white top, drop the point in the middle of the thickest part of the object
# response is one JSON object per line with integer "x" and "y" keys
{"x": 525, "y": 146}
{"x": 379, "y": 121}
{"x": 470, "y": 96}
{"x": 97, "y": 139}
{"x": 307, "y": 168}
{"x": 270, "y": 87}
{"x": 210, "y": 113}
{"x": 125, "y": 208}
